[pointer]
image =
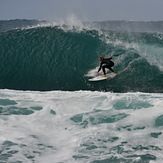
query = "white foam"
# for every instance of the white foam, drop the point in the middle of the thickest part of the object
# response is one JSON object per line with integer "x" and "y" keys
{"x": 48, "y": 137}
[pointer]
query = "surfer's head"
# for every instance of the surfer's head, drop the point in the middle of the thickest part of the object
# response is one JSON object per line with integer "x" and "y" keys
{"x": 100, "y": 58}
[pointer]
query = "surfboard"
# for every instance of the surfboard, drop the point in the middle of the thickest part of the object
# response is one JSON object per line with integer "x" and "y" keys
{"x": 101, "y": 77}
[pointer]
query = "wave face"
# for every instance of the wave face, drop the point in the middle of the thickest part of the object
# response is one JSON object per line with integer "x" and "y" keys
{"x": 54, "y": 58}
{"x": 82, "y": 126}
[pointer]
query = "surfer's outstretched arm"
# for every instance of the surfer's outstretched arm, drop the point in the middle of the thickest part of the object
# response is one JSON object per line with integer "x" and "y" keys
{"x": 99, "y": 68}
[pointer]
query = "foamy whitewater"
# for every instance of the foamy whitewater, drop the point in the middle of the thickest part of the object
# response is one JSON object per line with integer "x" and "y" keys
{"x": 80, "y": 126}
{"x": 51, "y": 113}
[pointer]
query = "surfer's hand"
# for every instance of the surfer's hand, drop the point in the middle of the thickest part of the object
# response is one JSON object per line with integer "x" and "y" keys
{"x": 97, "y": 72}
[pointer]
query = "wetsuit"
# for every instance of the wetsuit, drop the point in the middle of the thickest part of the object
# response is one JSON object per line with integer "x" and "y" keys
{"x": 106, "y": 63}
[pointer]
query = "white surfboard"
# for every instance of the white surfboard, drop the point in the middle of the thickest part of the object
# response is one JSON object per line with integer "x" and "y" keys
{"x": 101, "y": 77}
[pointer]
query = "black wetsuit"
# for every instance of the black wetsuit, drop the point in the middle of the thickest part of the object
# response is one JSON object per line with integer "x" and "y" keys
{"x": 106, "y": 63}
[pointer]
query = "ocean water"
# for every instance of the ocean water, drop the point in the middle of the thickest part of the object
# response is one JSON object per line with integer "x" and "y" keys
{"x": 50, "y": 112}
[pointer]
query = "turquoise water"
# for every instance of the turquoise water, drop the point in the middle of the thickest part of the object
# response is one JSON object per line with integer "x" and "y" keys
{"x": 60, "y": 58}
{"x": 50, "y": 112}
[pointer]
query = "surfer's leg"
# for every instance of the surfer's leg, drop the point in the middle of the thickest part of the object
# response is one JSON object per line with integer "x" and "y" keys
{"x": 103, "y": 69}
{"x": 110, "y": 69}
{"x": 111, "y": 64}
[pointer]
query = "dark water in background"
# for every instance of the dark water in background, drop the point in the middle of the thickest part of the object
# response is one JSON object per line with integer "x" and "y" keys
{"x": 58, "y": 58}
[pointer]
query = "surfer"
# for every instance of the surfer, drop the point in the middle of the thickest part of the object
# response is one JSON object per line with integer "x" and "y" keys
{"x": 105, "y": 63}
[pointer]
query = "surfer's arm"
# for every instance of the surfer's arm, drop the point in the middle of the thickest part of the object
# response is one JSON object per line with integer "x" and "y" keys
{"x": 109, "y": 58}
{"x": 99, "y": 67}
